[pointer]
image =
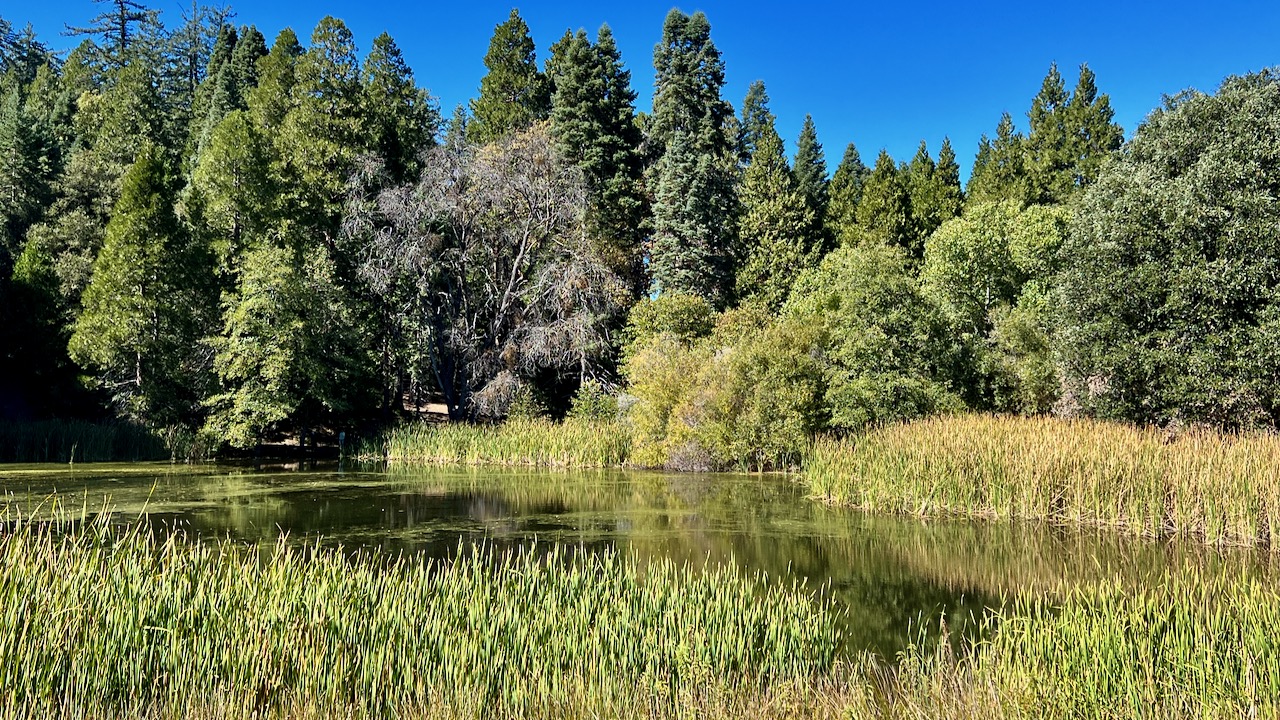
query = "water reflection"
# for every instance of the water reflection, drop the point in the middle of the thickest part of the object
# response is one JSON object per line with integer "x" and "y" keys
{"x": 894, "y": 576}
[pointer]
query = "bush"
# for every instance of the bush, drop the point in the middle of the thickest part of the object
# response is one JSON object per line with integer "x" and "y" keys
{"x": 1171, "y": 293}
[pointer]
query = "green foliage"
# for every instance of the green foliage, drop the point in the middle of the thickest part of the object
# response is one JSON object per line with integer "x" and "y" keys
{"x": 888, "y": 354}
{"x": 990, "y": 272}
{"x": 756, "y": 122}
{"x": 143, "y": 309}
{"x": 593, "y": 122}
{"x": 999, "y": 171}
{"x": 513, "y": 93}
{"x": 884, "y": 213}
{"x": 401, "y": 118}
{"x": 592, "y": 402}
{"x": 1170, "y": 309}
{"x": 775, "y": 229}
{"x": 845, "y": 192}
{"x": 694, "y": 203}
{"x": 291, "y": 353}
{"x": 236, "y": 186}
{"x": 685, "y": 317}
{"x": 810, "y": 172}
{"x": 1070, "y": 136}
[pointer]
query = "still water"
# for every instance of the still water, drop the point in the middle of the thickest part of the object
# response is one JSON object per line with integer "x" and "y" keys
{"x": 895, "y": 577}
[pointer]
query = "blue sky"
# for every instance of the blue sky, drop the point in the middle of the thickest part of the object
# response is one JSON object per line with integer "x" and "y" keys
{"x": 882, "y": 75}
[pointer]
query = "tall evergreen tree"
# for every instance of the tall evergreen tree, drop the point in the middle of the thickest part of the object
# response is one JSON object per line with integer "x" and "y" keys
{"x": 321, "y": 135}
{"x": 756, "y": 120}
{"x": 1049, "y": 164}
{"x": 141, "y": 310}
{"x": 593, "y": 123}
{"x": 810, "y": 172}
{"x": 1095, "y": 135}
{"x": 694, "y": 206}
{"x": 999, "y": 171}
{"x": 513, "y": 93}
{"x": 110, "y": 126}
{"x": 271, "y": 99}
{"x": 884, "y": 214}
{"x": 845, "y": 192}
{"x": 400, "y": 118}
{"x": 776, "y": 226}
{"x": 122, "y": 26}
{"x": 935, "y": 192}
{"x": 23, "y": 188}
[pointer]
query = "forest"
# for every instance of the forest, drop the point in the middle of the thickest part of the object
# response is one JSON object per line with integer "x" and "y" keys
{"x": 213, "y": 235}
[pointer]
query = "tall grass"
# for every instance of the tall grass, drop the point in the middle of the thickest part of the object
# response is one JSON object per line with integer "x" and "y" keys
{"x": 519, "y": 441}
{"x": 1195, "y": 646}
{"x": 1220, "y": 488}
{"x": 63, "y": 441}
{"x": 118, "y": 622}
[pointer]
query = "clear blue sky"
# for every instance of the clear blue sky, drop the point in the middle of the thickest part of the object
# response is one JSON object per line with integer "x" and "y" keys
{"x": 878, "y": 74}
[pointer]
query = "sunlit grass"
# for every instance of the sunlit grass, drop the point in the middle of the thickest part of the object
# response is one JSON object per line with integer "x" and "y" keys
{"x": 1219, "y": 488}
{"x": 531, "y": 442}
{"x": 92, "y": 617}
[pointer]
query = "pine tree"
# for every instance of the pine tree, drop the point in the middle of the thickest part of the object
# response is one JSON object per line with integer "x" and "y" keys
{"x": 1095, "y": 135}
{"x": 236, "y": 189}
{"x": 110, "y": 127}
{"x": 810, "y": 172}
{"x": 122, "y": 27}
{"x": 845, "y": 193}
{"x": 593, "y": 123}
{"x": 935, "y": 192}
{"x": 141, "y": 310}
{"x": 756, "y": 120}
{"x": 694, "y": 206}
{"x": 272, "y": 98}
{"x": 776, "y": 226}
{"x": 1049, "y": 164}
{"x": 401, "y": 118}
{"x": 884, "y": 212}
{"x": 316, "y": 363}
{"x": 321, "y": 135}
{"x": 23, "y": 188}
{"x": 513, "y": 93}
{"x": 999, "y": 173}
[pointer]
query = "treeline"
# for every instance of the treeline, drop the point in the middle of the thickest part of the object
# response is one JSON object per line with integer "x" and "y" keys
{"x": 202, "y": 230}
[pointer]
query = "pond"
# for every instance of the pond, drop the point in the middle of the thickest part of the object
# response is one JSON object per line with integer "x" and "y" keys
{"x": 895, "y": 577}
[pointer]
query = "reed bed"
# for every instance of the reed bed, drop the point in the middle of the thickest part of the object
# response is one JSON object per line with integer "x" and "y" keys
{"x": 65, "y": 441}
{"x": 1220, "y": 488}
{"x": 516, "y": 442}
{"x": 99, "y": 621}
{"x": 1194, "y": 646}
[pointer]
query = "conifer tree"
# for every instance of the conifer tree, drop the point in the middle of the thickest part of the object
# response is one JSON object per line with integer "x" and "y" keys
{"x": 23, "y": 188}
{"x": 811, "y": 169}
{"x": 776, "y": 226}
{"x": 845, "y": 193}
{"x": 110, "y": 127}
{"x": 999, "y": 172}
{"x": 1095, "y": 135}
{"x": 141, "y": 310}
{"x": 694, "y": 206}
{"x": 271, "y": 99}
{"x": 1049, "y": 164}
{"x": 935, "y": 192}
{"x": 400, "y": 117}
{"x": 513, "y": 93}
{"x": 756, "y": 120}
{"x": 321, "y": 134}
{"x": 884, "y": 212}
{"x": 593, "y": 123}
{"x": 122, "y": 26}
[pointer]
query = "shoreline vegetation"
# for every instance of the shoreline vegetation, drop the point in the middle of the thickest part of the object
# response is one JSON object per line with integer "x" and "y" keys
{"x": 216, "y": 630}
{"x": 1217, "y": 487}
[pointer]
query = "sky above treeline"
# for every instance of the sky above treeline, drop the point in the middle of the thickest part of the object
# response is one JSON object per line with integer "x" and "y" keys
{"x": 881, "y": 75}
